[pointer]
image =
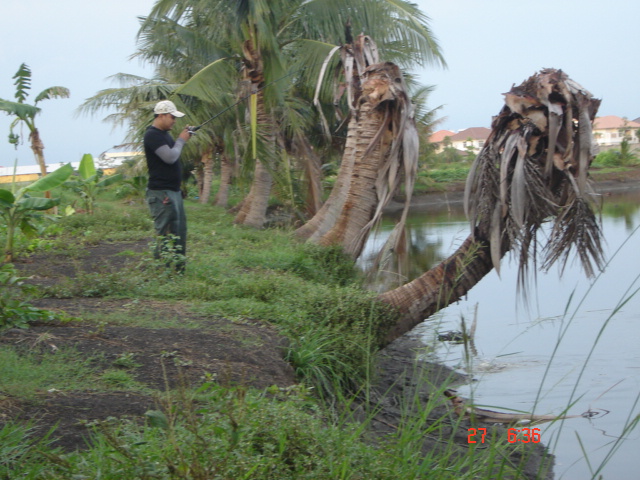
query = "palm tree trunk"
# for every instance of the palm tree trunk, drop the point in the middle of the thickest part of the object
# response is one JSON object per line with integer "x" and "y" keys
{"x": 329, "y": 213}
{"x": 207, "y": 177}
{"x": 226, "y": 173}
{"x": 254, "y": 208}
{"x": 198, "y": 172}
{"x": 362, "y": 198}
{"x": 381, "y": 143}
{"x": 442, "y": 285}
{"x": 311, "y": 165}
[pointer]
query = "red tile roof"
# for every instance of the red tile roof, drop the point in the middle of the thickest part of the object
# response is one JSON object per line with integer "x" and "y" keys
{"x": 611, "y": 121}
{"x": 440, "y": 135}
{"x": 475, "y": 133}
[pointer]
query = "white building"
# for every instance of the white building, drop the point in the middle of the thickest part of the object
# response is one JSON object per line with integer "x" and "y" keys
{"x": 609, "y": 131}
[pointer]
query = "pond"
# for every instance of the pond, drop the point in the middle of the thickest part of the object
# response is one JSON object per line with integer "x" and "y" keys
{"x": 569, "y": 348}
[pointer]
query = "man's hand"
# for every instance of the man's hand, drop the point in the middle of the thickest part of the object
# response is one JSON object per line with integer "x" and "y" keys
{"x": 185, "y": 135}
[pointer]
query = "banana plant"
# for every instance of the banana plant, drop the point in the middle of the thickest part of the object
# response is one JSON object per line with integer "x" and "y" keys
{"x": 20, "y": 210}
{"x": 25, "y": 114}
{"x": 90, "y": 181}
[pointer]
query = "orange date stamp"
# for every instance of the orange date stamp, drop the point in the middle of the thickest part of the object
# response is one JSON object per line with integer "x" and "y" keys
{"x": 514, "y": 435}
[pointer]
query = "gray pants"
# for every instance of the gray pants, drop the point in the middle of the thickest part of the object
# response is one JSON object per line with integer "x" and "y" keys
{"x": 167, "y": 210}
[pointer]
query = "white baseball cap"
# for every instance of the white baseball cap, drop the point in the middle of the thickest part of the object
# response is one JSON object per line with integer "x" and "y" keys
{"x": 167, "y": 106}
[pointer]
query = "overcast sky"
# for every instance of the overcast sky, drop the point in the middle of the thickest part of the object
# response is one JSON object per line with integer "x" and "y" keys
{"x": 488, "y": 45}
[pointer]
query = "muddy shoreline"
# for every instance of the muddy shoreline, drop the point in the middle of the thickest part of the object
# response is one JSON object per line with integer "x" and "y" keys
{"x": 405, "y": 384}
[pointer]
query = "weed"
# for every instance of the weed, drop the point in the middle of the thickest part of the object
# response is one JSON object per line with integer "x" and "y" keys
{"x": 116, "y": 378}
{"x": 126, "y": 361}
{"x": 25, "y": 374}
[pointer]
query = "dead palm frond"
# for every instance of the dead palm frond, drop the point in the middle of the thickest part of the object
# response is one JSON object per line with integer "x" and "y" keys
{"x": 533, "y": 169}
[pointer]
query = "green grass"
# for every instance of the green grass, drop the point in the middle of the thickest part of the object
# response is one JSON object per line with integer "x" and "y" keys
{"x": 26, "y": 374}
{"x": 237, "y": 433}
{"x": 310, "y": 294}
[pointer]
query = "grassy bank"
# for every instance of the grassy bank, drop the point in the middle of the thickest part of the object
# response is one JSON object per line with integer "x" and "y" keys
{"x": 205, "y": 428}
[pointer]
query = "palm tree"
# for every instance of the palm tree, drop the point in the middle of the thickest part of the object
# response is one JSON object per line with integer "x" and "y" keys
{"x": 288, "y": 39}
{"x": 382, "y": 144}
{"x": 26, "y": 113}
{"x": 178, "y": 51}
{"x": 533, "y": 167}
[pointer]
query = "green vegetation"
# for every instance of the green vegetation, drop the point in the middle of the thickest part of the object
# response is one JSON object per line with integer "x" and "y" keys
{"x": 623, "y": 157}
{"x": 234, "y": 433}
{"x": 437, "y": 177}
{"x": 30, "y": 371}
{"x": 310, "y": 294}
{"x": 15, "y": 311}
{"x": 88, "y": 182}
{"x": 20, "y": 210}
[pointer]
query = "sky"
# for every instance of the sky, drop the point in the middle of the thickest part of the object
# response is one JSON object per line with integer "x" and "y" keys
{"x": 488, "y": 45}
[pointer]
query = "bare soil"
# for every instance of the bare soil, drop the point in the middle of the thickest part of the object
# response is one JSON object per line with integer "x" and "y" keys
{"x": 230, "y": 353}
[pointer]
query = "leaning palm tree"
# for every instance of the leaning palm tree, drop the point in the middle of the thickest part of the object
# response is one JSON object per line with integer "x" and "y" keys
{"x": 288, "y": 40}
{"x": 532, "y": 169}
{"x": 26, "y": 114}
{"x": 381, "y": 149}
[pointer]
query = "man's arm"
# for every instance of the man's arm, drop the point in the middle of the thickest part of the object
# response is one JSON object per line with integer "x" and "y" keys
{"x": 170, "y": 155}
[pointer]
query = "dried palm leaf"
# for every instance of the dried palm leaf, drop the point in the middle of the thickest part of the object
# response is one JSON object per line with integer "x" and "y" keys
{"x": 533, "y": 169}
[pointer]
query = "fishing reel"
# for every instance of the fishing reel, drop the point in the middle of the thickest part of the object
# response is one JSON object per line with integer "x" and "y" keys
{"x": 192, "y": 130}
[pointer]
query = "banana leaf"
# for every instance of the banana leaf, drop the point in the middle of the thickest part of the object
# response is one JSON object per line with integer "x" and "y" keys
{"x": 52, "y": 180}
{"x": 6, "y": 198}
{"x": 110, "y": 180}
{"x": 37, "y": 203}
{"x": 87, "y": 168}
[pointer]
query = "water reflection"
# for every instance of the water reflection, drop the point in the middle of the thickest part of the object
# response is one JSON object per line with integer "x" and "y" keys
{"x": 431, "y": 240}
{"x": 540, "y": 355}
{"x": 622, "y": 208}
{"x": 436, "y": 233}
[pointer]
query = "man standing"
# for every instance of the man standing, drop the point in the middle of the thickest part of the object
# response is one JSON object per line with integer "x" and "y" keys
{"x": 164, "y": 195}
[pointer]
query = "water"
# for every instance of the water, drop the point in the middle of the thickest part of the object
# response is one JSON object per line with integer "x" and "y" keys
{"x": 571, "y": 348}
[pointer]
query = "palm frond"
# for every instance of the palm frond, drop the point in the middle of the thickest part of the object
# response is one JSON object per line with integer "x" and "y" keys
{"x": 53, "y": 92}
{"x": 533, "y": 169}
{"x": 212, "y": 83}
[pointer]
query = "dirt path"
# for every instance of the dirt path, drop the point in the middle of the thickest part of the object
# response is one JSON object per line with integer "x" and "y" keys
{"x": 228, "y": 352}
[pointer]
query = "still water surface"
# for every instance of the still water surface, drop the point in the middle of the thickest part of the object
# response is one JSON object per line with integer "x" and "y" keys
{"x": 573, "y": 346}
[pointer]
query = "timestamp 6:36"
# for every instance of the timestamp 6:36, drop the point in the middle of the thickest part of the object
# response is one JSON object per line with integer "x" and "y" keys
{"x": 514, "y": 435}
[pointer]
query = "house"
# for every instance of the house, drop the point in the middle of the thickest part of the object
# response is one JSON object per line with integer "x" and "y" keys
{"x": 469, "y": 139}
{"x": 610, "y": 130}
{"x": 441, "y": 139}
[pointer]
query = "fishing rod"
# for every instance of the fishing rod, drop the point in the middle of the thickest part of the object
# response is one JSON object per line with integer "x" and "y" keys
{"x": 193, "y": 130}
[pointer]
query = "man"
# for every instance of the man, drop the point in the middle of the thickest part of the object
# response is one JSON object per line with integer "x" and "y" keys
{"x": 164, "y": 195}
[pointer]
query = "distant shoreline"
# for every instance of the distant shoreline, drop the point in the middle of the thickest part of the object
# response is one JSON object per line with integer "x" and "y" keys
{"x": 611, "y": 183}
